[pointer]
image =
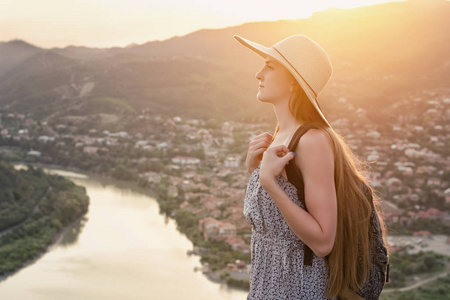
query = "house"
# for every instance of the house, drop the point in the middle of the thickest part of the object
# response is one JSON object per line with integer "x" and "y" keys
{"x": 216, "y": 213}
{"x": 174, "y": 180}
{"x": 141, "y": 144}
{"x": 185, "y": 160}
{"x": 189, "y": 175}
{"x": 238, "y": 244}
{"x": 431, "y": 213}
{"x": 423, "y": 233}
{"x": 434, "y": 181}
{"x": 162, "y": 145}
{"x": 227, "y": 127}
{"x": 45, "y": 139}
{"x": 373, "y": 156}
{"x": 218, "y": 183}
{"x": 169, "y": 124}
{"x": 122, "y": 134}
{"x": 434, "y": 213}
{"x": 405, "y": 221}
{"x": 172, "y": 192}
{"x": 90, "y": 150}
{"x": 373, "y": 134}
{"x": 231, "y": 161}
{"x": 447, "y": 195}
{"x": 191, "y": 195}
{"x": 391, "y": 213}
{"x": 210, "y": 152}
{"x": 215, "y": 229}
{"x": 34, "y": 153}
{"x": 151, "y": 177}
{"x": 394, "y": 184}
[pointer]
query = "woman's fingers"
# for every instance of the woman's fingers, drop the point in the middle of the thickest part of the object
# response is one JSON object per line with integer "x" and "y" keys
{"x": 281, "y": 149}
{"x": 265, "y": 135}
{"x": 281, "y": 152}
{"x": 258, "y": 140}
{"x": 258, "y": 146}
{"x": 263, "y": 144}
{"x": 259, "y": 151}
{"x": 262, "y": 137}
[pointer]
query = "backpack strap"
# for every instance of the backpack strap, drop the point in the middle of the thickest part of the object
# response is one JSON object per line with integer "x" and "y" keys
{"x": 369, "y": 195}
{"x": 295, "y": 177}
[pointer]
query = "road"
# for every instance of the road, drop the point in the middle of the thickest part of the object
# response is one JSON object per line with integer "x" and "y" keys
{"x": 417, "y": 284}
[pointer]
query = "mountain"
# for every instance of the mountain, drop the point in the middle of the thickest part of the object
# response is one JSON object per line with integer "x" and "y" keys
{"x": 379, "y": 53}
{"x": 14, "y": 52}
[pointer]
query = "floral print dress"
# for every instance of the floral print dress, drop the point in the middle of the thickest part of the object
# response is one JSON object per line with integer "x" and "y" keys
{"x": 276, "y": 252}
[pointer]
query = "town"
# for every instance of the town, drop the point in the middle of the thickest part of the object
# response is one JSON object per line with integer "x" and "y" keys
{"x": 196, "y": 168}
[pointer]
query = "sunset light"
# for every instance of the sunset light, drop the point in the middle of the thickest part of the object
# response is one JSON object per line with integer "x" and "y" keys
{"x": 224, "y": 150}
{"x": 102, "y": 23}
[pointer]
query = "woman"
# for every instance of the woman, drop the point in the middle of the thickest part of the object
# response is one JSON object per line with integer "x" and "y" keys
{"x": 296, "y": 70}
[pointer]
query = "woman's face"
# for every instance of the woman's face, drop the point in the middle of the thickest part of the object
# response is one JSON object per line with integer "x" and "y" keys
{"x": 275, "y": 82}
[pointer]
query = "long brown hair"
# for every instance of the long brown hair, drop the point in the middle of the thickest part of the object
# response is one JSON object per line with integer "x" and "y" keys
{"x": 353, "y": 234}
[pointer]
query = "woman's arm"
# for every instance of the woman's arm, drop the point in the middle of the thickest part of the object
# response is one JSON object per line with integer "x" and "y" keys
{"x": 317, "y": 227}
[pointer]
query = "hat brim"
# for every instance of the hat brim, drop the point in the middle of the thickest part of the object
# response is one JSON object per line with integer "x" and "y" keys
{"x": 265, "y": 51}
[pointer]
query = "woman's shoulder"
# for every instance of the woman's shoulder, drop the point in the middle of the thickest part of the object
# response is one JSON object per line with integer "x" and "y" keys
{"x": 316, "y": 156}
{"x": 315, "y": 136}
{"x": 315, "y": 141}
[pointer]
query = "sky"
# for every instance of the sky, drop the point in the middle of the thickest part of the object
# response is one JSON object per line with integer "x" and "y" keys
{"x": 108, "y": 23}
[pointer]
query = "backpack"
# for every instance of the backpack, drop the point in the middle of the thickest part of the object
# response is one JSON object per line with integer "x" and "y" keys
{"x": 379, "y": 265}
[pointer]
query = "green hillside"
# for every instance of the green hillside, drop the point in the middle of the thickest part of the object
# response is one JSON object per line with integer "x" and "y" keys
{"x": 379, "y": 53}
{"x": 34, "y": 208}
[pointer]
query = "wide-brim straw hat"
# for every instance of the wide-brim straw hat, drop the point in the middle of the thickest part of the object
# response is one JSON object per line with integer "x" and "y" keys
{"x": 304, "y": 58}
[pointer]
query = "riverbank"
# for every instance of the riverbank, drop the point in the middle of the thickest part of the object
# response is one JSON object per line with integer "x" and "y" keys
{"x": 101, "y": 177}
{"x": 38, "y": 208}
{"x": 55, "y": 239}
{"x": 127, "y": 246}
{"x": 218, "y": 276}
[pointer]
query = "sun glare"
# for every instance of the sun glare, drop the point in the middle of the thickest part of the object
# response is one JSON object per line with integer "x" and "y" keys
{"x": 106, "y": 23}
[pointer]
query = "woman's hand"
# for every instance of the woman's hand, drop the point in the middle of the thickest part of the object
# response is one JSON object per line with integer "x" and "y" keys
{"x": 273, "y": 162}
{"x": 257, "y": 146}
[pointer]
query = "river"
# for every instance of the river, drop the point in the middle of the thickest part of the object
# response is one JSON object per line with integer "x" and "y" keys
{"x": 122, "y": 249}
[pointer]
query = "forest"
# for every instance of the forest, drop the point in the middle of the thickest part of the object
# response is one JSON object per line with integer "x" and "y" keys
{"x": 34, "y": 208}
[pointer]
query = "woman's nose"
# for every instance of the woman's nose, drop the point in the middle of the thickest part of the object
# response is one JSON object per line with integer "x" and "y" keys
{"x": 258, "y": 75}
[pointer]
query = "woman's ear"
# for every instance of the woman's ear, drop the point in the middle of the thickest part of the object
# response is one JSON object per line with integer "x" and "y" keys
{"x": 295, "y": 87}
{"x": 292, "y": 87}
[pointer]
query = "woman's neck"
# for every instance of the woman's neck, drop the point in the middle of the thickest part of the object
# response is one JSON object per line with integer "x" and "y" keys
{"x": 286, "y": 121}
